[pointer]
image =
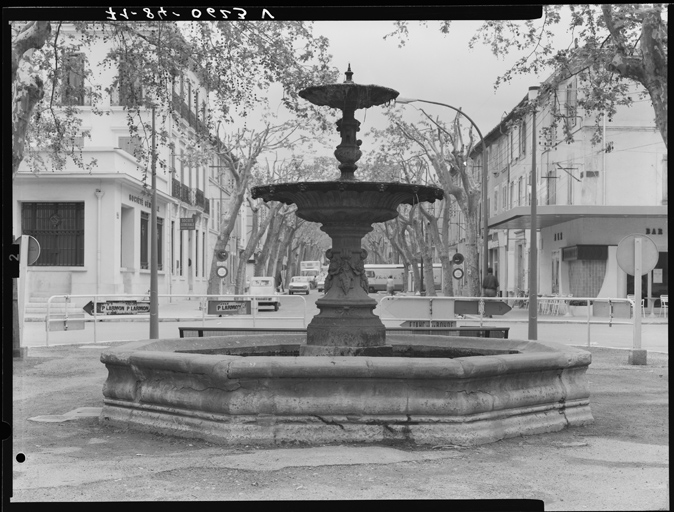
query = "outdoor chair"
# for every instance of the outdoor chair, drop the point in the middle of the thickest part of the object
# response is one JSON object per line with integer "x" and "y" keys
{"x": 664, "y": 305}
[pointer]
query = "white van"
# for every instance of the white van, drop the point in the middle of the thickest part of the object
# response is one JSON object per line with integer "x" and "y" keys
{"x": 265, "y": 290}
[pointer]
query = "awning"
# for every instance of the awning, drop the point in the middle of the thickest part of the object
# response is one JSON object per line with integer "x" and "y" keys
{"x": 551, "y": 215}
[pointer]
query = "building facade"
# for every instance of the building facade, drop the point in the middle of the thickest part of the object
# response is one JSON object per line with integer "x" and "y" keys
{"x": 93, "y": 225}
{"x": 589, "y": 197}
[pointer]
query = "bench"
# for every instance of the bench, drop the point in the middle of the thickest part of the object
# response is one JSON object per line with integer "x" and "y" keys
{"x": 479, "y": 332}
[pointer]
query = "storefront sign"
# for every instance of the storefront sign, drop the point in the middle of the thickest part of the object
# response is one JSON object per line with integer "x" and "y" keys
{"x": 187, "y": 223}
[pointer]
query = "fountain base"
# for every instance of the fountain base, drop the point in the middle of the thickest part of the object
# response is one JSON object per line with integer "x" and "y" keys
{"x": 466, "y": 391}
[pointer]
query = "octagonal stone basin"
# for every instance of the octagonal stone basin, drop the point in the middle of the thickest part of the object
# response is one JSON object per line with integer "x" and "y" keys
{"x": 437, "y": 390}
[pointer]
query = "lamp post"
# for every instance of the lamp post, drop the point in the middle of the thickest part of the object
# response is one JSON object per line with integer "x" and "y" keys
{"x": 533, "y": 250}
{"x": 485, "y": 223}
{"x": 154, "y": 298}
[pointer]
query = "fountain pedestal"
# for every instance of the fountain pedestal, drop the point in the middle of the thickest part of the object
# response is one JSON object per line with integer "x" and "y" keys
{"x": 346, "y": 324}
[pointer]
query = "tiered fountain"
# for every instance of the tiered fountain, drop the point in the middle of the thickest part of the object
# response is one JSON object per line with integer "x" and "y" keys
{"x": 347, "y": 208}
{"x": 345, "y": 381}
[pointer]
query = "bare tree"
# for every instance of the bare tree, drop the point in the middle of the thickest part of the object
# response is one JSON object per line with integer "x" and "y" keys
{"x": 240, "y": 151}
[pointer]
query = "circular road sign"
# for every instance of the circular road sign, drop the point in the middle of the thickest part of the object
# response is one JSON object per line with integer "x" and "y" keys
{"x": 457, "y": 258}
{"x": 625, "y": 254}
{"x": 457, "y": 273}
{"x": 222, "y": 271}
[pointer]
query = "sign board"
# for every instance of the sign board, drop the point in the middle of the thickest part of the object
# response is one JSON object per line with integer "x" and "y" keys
{"x": 188, "y": 223}
{"x": 471, "y": 307}
{"x": 657, "y": 276}
{"x": 229, "y": 307}
{"x": 222, "y": 271}
{"x": 457, "y": 273}
{"x": 73, "y": 322}
{"x": 32, "y": 248}
{"x": 626, "y": 256}
{"x": 117, "y": 307}
{"x": 426, "y": 323}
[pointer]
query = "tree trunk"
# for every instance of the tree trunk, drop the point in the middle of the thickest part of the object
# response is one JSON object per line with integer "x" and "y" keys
{"x": 255, "y": 236}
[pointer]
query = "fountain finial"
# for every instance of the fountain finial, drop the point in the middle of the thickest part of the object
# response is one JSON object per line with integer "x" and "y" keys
{"x": 348, "y": 74}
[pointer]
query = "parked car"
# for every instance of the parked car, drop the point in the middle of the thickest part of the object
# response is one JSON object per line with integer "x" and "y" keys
{"x": 320, "y": 282}
{"x": 300, "y": 284}
{"x": 265, "y": 290}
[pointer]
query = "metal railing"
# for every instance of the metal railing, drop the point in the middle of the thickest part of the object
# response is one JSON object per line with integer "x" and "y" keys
{"x": 203, "y": 306}
{"x": 438, "y": 311}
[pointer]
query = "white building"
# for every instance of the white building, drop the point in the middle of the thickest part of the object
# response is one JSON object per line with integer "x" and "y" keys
{"x": 94, "y": 227}
{"x": 589, "y": 198}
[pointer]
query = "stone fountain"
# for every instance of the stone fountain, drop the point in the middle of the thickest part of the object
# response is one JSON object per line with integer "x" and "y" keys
{"x": 346, "y": 381}
{"x": 346, "y": 209}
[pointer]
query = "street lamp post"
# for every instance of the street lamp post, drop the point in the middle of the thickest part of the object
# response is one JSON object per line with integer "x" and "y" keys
{"x": 485, "y": 213}
{"x": 154, "y": 298}
{"x": 533, "y": 250}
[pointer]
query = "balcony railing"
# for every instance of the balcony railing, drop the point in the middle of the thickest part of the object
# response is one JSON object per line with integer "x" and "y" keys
{"x": 193, "y": 197}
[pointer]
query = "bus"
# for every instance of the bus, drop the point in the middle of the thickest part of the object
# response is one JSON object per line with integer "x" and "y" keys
{"x": 378, "y": 274}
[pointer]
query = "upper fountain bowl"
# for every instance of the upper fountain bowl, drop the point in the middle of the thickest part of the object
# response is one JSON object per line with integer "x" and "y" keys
{"x": 348, "y": 95}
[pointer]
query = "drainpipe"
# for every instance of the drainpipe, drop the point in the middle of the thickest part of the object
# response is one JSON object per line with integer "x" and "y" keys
{"x": 99, "y": 195}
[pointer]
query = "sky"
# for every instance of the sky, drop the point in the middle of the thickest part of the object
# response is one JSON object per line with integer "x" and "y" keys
{"x": 430, "y": 66}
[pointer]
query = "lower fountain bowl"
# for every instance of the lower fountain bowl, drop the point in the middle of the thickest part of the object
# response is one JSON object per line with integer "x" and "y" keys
{"x": 445, "y": 390}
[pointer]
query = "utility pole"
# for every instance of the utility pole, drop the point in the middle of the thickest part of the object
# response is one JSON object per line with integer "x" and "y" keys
{"x": 533, "y": 250}
{"x": 154, "y": 299}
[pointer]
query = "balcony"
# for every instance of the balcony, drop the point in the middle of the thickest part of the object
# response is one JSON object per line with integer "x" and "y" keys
{"x": 193, "y": 197}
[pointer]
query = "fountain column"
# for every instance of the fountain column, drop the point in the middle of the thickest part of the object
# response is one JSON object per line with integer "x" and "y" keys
{"x": 346, "y": 320}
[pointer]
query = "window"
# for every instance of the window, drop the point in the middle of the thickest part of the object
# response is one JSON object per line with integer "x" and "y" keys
{"x": 520, "y": 192}
{"x": 144, "y": 237}
{"x": 129, "y": 85}
{"x": 523, "y": 138}
{"x": 173, "y": 251}
{"x": 72, "y": 87}
{"x": 182, "y": 166}
{"x": 145, "y": 240}
{"x": 504, "y": 197}
{"x": 59, "y": 229}
{"x": 529, "y": 189}
{"x": 571, "y": 105}
{"x": 132, "y": 145}
{"x": 180, "y": 253}
{"x": 495, "y": 201}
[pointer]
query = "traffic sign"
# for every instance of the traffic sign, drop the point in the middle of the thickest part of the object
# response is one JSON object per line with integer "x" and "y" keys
{"x": 117, "y": 307}
{"x": 457, "y": 273}
{"x": 471, "y": 307}
{"x": 626, "y": 256}
{"x": 222, "y": 271}
{"x": 457, "y": 258}
{"x": 33, "y": 252}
